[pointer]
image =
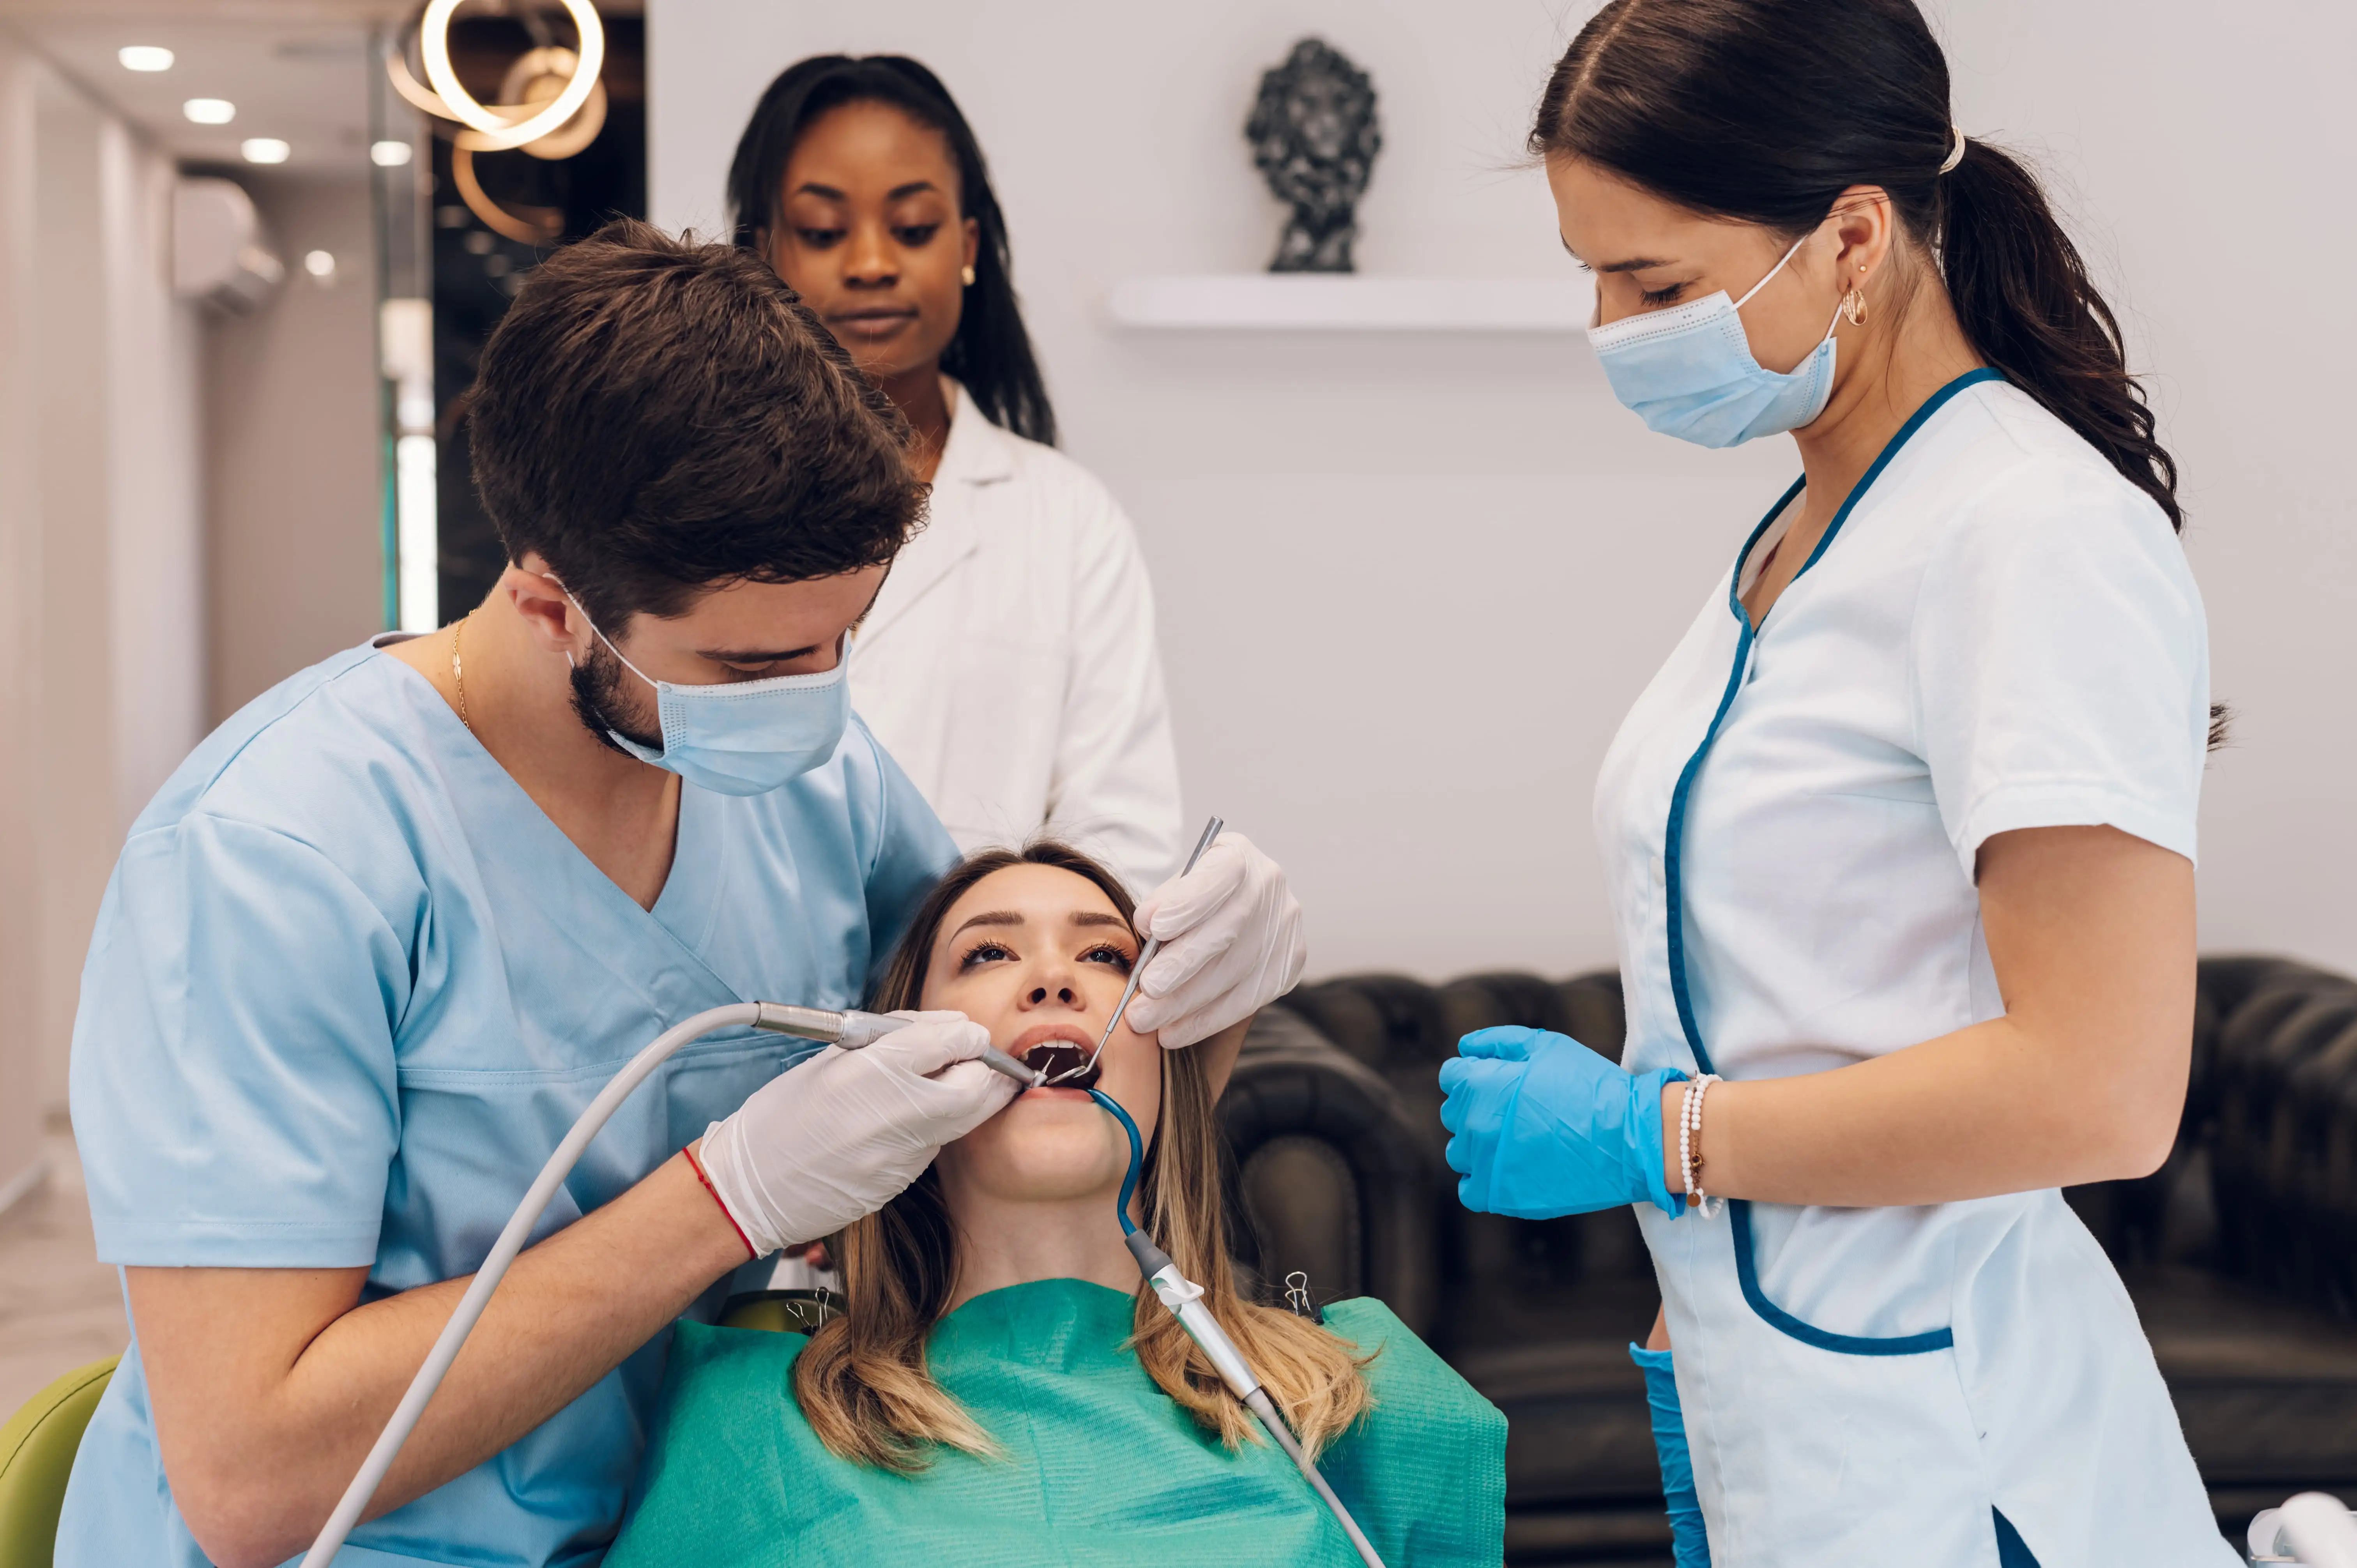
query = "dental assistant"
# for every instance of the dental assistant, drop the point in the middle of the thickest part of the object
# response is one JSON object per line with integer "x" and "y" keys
{"x": 1900, "y": 841}
{"x": 1009, "y": 665}
{"x": 387, "y": 931}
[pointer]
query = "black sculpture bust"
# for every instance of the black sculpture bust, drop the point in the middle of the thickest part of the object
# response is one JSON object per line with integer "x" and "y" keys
{"x": 1314, "y": 137}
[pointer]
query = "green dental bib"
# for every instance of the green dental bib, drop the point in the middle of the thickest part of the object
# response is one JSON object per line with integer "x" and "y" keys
{"x": 1100, "y": 1466}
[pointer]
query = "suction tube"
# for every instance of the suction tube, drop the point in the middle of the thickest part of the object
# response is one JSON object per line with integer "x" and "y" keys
{"x": 1184, "y": 1297}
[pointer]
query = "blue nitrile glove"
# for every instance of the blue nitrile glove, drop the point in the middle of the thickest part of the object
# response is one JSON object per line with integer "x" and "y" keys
{"x": 1545, "y": 1127}
{"x": 1689, "y": 1541}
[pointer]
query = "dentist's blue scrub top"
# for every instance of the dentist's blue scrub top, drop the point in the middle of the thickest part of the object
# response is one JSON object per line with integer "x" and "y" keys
{"x": 348, "y": 989}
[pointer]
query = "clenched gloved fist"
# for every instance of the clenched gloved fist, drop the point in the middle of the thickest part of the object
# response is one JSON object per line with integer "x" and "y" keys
{"x": 1545, "y": 1127}
{"x": 1230, "y": 934}
{"x": 842, "y": 1134}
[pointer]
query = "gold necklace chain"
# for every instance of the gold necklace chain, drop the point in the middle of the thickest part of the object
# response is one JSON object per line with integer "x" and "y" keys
{"x": 458, "y": 673}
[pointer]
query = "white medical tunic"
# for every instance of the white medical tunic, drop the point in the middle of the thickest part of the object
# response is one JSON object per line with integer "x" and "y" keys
{"x": 348, "y": 988}
{"x": 1997, "y": 632}
{"x": 1009, "y": 662}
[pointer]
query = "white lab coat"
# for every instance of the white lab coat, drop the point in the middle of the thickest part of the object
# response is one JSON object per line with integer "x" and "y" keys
{"x": 1997, "y": 633}
{"x": 1010, "y": 663}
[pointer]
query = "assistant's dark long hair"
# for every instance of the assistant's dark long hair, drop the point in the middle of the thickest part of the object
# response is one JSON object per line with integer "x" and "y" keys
{"x": 1765, "y": 111}
{"x": 991, "y": 353}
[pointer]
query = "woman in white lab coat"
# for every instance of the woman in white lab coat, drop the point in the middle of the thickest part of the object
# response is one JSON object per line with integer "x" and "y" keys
{"x": 1900, "y": 841}
{"x": 1009, "y": 662}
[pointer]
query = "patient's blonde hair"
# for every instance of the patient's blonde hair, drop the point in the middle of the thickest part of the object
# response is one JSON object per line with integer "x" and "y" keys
{"x": 862, "y": 1381}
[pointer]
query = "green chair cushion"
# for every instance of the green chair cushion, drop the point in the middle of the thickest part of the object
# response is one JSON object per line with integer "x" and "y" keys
{"x": 37, "y": 1455}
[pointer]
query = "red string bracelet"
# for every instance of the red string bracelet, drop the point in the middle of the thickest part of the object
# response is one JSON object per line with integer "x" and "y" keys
{"x": 697, "y": 1166}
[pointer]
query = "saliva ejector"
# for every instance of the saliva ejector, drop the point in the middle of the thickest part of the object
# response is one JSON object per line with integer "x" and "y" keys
{"x": 848, "y": 1030}
{"x": 1184, "y": 1297}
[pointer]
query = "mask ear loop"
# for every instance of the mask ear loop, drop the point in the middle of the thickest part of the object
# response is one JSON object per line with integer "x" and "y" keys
{"x": 1739, "y": 303}
{"x": 599, "y": 635}
{"x": 1852, "y": 304}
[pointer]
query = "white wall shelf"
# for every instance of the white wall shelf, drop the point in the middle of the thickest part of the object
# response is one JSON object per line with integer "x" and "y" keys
{"x": 1352, "y": 302}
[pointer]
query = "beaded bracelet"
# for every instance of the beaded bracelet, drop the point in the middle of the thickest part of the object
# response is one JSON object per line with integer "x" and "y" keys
{"x": 1690, "y": 1144}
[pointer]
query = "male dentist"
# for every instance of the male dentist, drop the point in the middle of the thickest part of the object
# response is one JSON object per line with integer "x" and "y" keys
{"x": 386, "y": 932}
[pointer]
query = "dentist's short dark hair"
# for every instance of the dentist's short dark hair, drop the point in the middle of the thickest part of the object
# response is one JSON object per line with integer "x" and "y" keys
{"x": 657, "y": 417}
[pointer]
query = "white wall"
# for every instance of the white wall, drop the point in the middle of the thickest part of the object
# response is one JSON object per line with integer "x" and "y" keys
{"x": 294, "y": 559}
{"x": 156, "y": 499}
{"x": 102, "y": 653}
{"x": 20, "y": 567}
{"x": 80, "y": 818}
{"x": 1409, "y": 584}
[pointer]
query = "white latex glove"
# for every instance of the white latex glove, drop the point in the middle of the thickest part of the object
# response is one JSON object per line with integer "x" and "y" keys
{"x": 1231, "y": 933}
{"x": 842, "y": 1134}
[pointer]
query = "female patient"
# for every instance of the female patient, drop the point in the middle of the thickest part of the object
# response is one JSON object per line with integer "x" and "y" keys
{"x": 999, "y": 1390}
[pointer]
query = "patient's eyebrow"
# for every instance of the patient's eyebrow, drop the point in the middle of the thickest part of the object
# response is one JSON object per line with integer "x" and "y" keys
{"x": 1098, "y": 918}
{"x": 991, "y": 918}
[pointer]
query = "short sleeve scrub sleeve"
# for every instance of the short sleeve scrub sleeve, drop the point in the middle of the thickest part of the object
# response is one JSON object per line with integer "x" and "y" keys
{"x": 348, "y": 988}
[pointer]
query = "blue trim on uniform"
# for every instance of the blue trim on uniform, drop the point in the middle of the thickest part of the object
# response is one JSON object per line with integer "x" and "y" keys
{"x": 1747, "y": 1275}
{"x": 2012, "y": 1551}
{"x": 1673, "y": 848}
{"x": 1739, "y": 1211}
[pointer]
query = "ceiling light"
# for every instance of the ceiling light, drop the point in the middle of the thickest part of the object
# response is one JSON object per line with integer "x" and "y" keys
{"x": 493, "y": 130}
{"x": 208, "y": 111}
{"x": 263, "y": 150}
{"x": 144, "y": 57}
{"x": 320, "y": 264}
{"x": 389, "y": 155}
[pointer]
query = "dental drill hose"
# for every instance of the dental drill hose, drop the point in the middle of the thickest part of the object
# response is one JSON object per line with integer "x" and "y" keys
{"x": 1184, "y": 1299}
{"x": 849, "y": 1029}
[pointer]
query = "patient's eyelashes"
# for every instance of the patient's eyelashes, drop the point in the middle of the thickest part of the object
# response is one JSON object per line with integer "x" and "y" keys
{"x": 1112, "y": 955}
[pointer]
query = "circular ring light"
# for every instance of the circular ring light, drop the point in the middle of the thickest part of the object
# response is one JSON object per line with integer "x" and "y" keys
{"x": 495, "y": 131}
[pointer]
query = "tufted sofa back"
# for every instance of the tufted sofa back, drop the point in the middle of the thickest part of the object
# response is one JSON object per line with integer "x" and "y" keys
{"x": 2269, "y": 1138}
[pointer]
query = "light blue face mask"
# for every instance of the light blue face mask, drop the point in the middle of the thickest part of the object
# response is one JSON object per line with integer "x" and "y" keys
{"x": 1688, "y": 371}
{"x": 741, "y": 738}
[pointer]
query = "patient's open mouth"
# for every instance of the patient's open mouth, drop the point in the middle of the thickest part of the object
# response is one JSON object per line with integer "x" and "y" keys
{"x": 1056, "y": 1058}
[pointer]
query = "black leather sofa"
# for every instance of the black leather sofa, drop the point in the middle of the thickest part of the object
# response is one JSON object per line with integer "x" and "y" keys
{"x": 2240, "y": 1252}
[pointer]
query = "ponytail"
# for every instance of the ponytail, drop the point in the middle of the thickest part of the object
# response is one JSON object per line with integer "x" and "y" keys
{"x": 2022, "y": 295}
{"x": 1766, "y": 111}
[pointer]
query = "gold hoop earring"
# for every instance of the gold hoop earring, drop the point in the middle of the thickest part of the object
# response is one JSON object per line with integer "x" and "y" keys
{"x": 965, "y": 275}
{"x": 1853, "y": 306}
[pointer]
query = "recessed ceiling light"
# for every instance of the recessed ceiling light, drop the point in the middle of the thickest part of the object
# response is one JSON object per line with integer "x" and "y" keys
{"x": 320, "y": 264}
{"x": 389, "y": 155}
{"x": 144, "y": 57}
{"x": 263, "y": 150}
{"x": 208, "y": 111}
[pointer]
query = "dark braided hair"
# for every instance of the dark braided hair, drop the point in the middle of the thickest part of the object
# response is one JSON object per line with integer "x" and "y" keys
{"x": 991, "y": 354}
{"x": 1765, "y": 111}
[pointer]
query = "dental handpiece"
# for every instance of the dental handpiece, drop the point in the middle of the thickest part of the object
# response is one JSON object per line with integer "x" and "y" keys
{"x": 851, "y": 1029}
{"x": 1145, "y": 956}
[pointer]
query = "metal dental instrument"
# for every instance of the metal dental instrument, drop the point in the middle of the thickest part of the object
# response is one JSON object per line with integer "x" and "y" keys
{"x": 1145, "y": 956}
{"x": 849, "y": 1029}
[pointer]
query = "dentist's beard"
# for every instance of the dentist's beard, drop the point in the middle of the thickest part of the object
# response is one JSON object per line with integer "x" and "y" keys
{"x": 599, "y": 701}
